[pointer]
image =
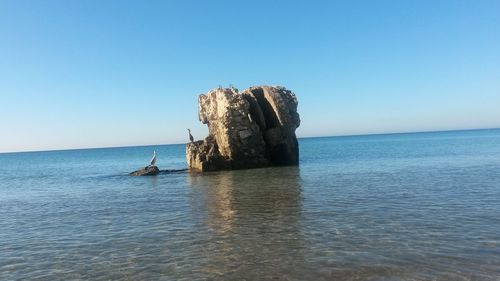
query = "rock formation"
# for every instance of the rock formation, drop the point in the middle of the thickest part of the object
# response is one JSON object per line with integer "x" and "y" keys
{"x": 146, "y": 171}
{"x": 251, "y": 129}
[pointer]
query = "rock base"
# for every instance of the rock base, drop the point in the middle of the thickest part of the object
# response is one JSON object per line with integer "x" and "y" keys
{"x": 146, "y": 171}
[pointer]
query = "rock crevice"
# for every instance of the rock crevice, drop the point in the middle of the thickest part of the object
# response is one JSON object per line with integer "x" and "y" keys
{"x": 251, "y": 129}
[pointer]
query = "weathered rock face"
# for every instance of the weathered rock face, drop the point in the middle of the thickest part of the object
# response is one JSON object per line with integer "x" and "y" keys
{"x": 254, "y": 128}
{"x": 146, "y": 171}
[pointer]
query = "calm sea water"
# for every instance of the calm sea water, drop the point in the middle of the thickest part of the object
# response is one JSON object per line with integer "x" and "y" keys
{"x": 422, "y": 206}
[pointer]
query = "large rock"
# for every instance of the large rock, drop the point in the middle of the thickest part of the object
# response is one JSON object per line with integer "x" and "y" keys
{"x": 254, "y": 128}
{"x": 146, "y": 171}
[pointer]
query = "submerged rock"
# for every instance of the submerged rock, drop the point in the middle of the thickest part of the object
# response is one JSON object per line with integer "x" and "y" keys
{"x": 251, "y": 129}
{"x": 146, "y": 171}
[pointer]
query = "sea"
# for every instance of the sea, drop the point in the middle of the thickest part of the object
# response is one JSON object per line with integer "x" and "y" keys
{"x": 414, "y": 206}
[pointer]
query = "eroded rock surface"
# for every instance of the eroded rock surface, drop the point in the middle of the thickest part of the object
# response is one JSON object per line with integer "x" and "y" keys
{"x": 254, "y": 128}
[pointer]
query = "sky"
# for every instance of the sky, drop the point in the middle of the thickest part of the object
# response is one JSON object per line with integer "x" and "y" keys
{"x": 80, "y": 74}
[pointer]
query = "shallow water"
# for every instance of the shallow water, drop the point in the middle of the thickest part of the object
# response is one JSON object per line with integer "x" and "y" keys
{"x": 422, "y": 206}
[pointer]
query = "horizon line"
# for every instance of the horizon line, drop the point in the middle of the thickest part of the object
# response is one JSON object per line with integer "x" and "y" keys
{"x": 305, "y": 137}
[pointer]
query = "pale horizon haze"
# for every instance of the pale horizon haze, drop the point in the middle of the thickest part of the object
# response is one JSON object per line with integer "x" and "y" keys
{"x": 86, "y": 74}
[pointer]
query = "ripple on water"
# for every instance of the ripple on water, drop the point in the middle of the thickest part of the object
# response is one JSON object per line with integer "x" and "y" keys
{"x": 411, "y": 207}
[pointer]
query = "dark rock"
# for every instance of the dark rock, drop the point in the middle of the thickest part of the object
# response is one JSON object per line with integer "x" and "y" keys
{"x": 146, "y": 171}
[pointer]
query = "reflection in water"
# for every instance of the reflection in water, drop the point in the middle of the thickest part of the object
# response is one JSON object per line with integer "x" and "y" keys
{"x": 154, "y": 182}
{"x": 253, "y": 217}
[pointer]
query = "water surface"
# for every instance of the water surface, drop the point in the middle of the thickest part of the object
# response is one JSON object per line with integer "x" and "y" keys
{"x": 423, "y": 206}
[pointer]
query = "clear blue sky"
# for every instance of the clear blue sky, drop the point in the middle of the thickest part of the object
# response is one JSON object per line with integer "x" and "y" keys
{"x": 77, "y": 74}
